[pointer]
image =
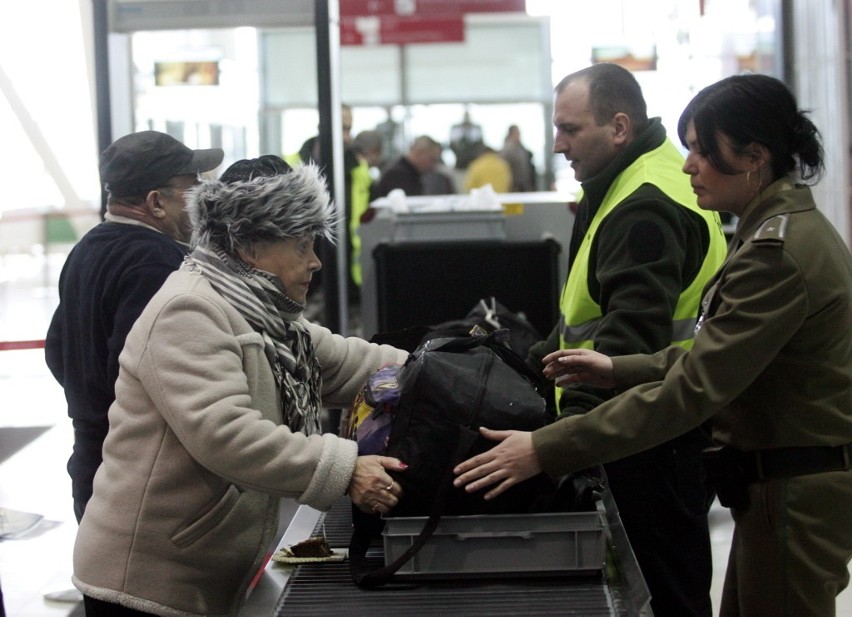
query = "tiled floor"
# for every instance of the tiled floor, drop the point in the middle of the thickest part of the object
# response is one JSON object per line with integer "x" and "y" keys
{"x": 32, "y": 474}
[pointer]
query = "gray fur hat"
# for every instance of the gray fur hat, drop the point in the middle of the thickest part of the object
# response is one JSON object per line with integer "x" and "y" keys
{"x": 240, "y": 213}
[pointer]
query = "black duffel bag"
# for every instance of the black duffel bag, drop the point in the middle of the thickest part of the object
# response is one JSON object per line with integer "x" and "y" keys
{"x": 488, "y": 314}
{"x": 449, "y": 387}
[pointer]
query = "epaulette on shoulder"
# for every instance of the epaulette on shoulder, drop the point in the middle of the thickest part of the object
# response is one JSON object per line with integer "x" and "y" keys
{"x": 772, "y": 230}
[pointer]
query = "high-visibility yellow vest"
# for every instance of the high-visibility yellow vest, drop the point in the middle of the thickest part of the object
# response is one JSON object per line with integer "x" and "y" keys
{"x": 359, "y": 202}
{"x": 580, "y": 313}
{"x": 293, "y": 160}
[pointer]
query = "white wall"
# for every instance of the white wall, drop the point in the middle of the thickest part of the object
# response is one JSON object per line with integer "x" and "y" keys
{"x": 822, "y": 84}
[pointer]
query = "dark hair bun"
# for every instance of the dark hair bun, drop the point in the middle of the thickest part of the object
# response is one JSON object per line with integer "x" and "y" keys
{"x": 265, "y": 166}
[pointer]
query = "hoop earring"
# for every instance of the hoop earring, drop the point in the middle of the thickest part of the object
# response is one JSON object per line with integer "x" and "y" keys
{"x": 759, "y": 181}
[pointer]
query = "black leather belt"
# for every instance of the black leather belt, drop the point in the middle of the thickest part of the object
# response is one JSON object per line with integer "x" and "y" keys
{"x": 760, "y": 465}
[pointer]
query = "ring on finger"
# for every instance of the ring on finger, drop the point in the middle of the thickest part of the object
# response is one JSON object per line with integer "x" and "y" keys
{"x": 375, "y": 506}
{"x": 389, "y": 486}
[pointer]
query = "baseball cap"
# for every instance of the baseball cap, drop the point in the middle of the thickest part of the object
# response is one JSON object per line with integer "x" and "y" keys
{"x": 143, "y": 161}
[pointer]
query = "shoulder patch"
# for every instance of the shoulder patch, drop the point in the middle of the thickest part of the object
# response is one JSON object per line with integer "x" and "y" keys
{"x": 772, "y": 230}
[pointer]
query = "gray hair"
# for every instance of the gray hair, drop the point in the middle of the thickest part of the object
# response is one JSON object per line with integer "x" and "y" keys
{"x": 237, "y": 215}
{"x": 424, "y": 143}
{"x": 365, "y": 141}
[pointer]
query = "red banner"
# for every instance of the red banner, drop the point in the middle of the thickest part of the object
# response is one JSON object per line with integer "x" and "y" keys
{"x": 400, "y": 30}
{"x": 360, "y": 8}
{"x": 397, "y": 22}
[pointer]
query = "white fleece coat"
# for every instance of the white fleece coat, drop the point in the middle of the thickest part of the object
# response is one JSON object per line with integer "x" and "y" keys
{"x": 185, "y": 504}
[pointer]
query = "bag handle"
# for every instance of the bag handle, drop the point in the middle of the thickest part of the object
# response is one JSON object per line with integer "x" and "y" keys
{"x": 362, "y": 535}
{"x": 492, "y": 340}
{"x": 456, "y": 344}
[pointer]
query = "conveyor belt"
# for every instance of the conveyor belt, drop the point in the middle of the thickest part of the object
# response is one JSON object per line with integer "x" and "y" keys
{"x": 327, "y": 589}
{"x": 336, "y": 525}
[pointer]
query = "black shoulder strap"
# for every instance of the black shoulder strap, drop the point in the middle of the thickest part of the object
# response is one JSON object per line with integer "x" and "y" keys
{"x": 362, "y": 535}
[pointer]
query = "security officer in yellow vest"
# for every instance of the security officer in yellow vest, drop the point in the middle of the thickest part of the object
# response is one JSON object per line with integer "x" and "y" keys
{"x": 368, "y": 148}
{"x": 357, "y": 184}
{"x": 641, "y": 251}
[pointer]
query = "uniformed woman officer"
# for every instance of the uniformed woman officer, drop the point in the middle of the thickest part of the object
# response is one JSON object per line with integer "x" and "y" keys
{"x": 771, "y": 364}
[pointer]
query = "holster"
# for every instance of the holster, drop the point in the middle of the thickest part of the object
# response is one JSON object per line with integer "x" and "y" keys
{"x": 724, "y": 470}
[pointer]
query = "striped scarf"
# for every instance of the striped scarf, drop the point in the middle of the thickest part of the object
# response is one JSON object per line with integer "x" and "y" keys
{"x": 260, "y": 299}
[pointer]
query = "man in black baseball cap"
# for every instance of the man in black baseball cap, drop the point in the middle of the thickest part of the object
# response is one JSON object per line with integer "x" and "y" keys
{"x": 146, "y": 175}
{"x": 110, "y": 276}
{"x": 145, "y": 161}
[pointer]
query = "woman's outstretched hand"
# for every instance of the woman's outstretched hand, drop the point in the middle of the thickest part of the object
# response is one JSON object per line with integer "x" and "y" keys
{"x": 568, "y": 366}
{"x": 511, "y": 461}
{"x": 371, "y": 488}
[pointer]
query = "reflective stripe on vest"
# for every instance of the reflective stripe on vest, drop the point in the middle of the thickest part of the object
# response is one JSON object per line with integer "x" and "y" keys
{"x": 580, "y": 313}
{"x": 576, "y": 336}
{"x": 360, "y": 203}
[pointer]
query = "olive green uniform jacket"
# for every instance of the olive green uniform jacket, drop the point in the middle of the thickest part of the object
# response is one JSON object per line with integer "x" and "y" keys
{"x": 772, "y": 360}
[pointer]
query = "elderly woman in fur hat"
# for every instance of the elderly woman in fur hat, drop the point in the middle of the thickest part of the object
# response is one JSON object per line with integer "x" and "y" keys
{"x": 217, "y": 408}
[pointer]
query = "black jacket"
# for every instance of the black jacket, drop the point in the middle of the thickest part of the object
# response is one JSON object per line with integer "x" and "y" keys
{"x": 646, "y": 252}
{"x": 108, "y": 278}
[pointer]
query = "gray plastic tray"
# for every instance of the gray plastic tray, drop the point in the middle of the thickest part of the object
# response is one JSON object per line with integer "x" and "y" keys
{"x": 449, "y": 226}
{"x": 494, "y": 545}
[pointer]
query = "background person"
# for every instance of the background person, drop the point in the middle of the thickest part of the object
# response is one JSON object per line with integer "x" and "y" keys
{"x": 465, "y": 138}
{"x": 640, "y": 252}
{"x": 367, "y": 149}
{"x": 440, "y": 180}
{"x": 520, "y": 161}
{"x": 392, "y": 136}
{"x": 369, "y": 146}
{"x": 406, "y": 172}
{"x": 488, "y": 167}
{"x": 109, "y": 277}
{"x": 356, "y": 199}
{"x": 771, "y": 364}
{"x": 217, "y": 409}
{"x": 309, "y": 152}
